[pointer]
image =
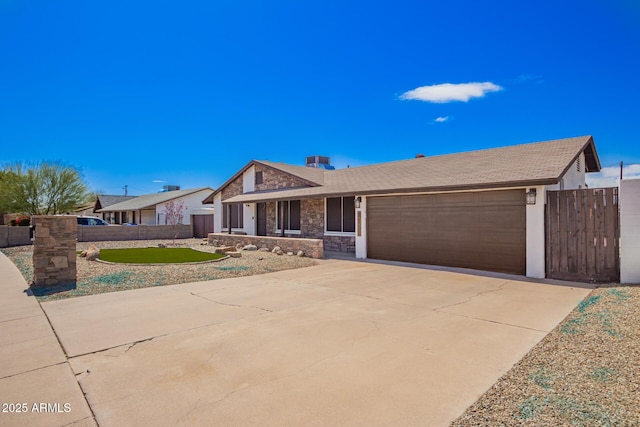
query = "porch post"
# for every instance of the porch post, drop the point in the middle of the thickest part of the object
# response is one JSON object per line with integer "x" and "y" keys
{"x": 229, "y": 218}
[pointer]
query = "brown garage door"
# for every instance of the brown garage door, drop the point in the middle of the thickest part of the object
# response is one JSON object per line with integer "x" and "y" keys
{"x": 482, "y": 230}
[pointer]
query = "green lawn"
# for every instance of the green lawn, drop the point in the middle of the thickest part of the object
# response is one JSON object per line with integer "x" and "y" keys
{"x": 156, "y": 255}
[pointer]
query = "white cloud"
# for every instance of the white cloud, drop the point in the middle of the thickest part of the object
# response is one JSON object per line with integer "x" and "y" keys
{"x": 158, "y": 181}
{"x": 610, "y": 176}
{"x": 449, "y": 92}
{"x": 441, "y": 119}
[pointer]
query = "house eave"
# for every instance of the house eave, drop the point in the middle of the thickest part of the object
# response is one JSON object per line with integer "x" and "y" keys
{"x": 281, "y": 195}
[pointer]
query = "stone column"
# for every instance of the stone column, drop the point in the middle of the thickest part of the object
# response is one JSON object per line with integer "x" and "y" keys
{"x": 54, "y": 251}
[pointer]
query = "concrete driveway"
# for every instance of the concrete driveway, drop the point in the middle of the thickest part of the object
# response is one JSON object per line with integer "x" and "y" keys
{"x": 342, "y": 343}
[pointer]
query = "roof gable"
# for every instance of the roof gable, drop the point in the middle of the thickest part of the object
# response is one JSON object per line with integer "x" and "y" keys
{"x": 312, "y": 176}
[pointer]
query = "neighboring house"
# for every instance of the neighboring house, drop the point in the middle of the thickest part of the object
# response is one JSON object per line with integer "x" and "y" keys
{"x": 104, "y": 201}
{"x": 87, "y": 209}
{"x": 463, "y": 210}
{"x": 150, "y": 209}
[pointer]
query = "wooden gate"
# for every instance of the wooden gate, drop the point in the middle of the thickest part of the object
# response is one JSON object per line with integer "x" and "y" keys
{"x": 202, "y": 225}
{"x": 583, "y": 235}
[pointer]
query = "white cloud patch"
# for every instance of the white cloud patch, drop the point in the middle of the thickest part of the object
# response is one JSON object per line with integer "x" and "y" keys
{"x": 449, "y": 92}
{"x": 610, "y": 176}
{"x": 441, "y": 119}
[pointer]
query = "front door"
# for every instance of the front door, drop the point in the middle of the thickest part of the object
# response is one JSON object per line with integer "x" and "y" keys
{"x": 261, "y": 219}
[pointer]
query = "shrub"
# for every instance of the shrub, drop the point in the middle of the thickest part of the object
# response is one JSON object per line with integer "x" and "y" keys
{"x": 23, "y": 221}
{"x": 12, "y": 222}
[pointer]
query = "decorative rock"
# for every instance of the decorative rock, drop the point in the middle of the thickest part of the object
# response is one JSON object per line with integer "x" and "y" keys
{"x": 93, "y": 253}
{"x": 260, "y": 258}
{"x": 280, "y": 252}
{"x": 276, "y": 249}
{"x": 234, "y": 254}
{"x": 215, "y": 242}
{"x": 225, "y": 249}
{"x": 83, "y": 254}
{"x": 264, "y": 249}
{"x": 162, "y": 245}
{"x": 300, "y": 253}
{"x": 250, "y": 248}
{"x": 239, "y": 246}
{"x": 289, "y": 253}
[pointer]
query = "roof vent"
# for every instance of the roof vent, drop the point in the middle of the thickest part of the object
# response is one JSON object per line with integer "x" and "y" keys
{"x": 419, "y": 156}
{"x": 320, "y": 162}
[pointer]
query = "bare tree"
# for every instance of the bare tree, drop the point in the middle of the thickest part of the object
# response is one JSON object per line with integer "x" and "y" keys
{"x": 174, "y": 212}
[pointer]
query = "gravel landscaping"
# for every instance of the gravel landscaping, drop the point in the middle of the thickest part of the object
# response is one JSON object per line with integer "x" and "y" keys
{"x": 96, "y": 277}
{"x": 586, "y": 372}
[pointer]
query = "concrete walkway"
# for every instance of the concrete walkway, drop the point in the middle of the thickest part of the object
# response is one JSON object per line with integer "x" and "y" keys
{"x": 343, "y": 343}
{"x": 37, "y": 385}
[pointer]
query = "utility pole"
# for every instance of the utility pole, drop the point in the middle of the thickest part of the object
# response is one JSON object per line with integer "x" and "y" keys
{"x": 126, "y": 191}
{"x": 620, "y": 171}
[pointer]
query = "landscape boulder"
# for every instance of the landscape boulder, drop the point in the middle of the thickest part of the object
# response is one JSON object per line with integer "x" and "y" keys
{"x": 249, "y": 248}
{"x": 234, "y": 254}
{"x": 300, "y": 253}
{"x": 276, "y": 249}
{"x": 93, "y": 253}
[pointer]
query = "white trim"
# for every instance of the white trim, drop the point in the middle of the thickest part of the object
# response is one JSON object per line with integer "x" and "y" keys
{"x": 340, "y": 233}
{"x": 288, "y": 232}
{"x": 289, "y": 207}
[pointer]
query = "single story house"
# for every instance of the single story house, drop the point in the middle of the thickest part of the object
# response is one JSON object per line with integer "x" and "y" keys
{"x": 150, "y": 209}
{"x": 104, "y": 201}
{"x": 481, "y": 209}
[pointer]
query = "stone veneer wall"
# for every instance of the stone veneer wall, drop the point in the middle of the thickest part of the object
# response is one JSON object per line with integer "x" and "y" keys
{"x": 273, "y": 179}
{"x": 340, "y": 243}
{"x": 311, "y": 247}
{"x": 234, "y": 188}
{"x": 312, "y": 226}
{"x": 54, "y": 250}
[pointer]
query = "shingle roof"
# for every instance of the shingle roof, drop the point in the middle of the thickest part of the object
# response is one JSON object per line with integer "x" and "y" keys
{"x": 542, "y": 163}
{"x": 150, "y": 200}
{"x": 105, "y": 200}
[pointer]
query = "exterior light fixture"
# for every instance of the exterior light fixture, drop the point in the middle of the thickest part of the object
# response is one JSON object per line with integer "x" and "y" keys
{"x": 357, "y": 202}
{"x": 531, "y": 196}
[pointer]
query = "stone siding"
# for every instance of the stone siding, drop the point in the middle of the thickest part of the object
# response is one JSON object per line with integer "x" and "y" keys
{"x": 273, "y": 179}
{"x": 311, "y": 219}
{"x": 311, "y": 247}
{"x": 340, "y": 243}
{"x": 54, "y": 251}
{"x": 234, "y": 188}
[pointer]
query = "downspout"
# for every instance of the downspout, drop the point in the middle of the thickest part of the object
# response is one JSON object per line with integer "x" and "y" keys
{"x": 281, "y": 219}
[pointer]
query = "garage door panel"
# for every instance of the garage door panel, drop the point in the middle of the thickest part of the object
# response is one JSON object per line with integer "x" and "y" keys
{"x": 482, "y": 230}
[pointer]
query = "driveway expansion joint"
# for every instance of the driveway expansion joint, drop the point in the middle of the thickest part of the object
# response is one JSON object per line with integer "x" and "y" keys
{"x": 33, "y": 370}
{"x": 229, "y": 304}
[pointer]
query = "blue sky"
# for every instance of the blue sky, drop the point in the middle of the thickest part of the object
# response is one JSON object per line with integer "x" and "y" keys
{"x": 150, "y": 93}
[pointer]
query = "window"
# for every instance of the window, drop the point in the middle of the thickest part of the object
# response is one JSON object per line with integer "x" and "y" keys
{"x": 289, "y": 213}
{"x": 258, "y": 177}
{"x": 124, "y": 217}
{"x": 341, "y": 215}
{"x": 236, "y": 216}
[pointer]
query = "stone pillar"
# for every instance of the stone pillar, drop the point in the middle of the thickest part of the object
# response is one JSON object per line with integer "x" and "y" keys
{"x": 54, "y": 251}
